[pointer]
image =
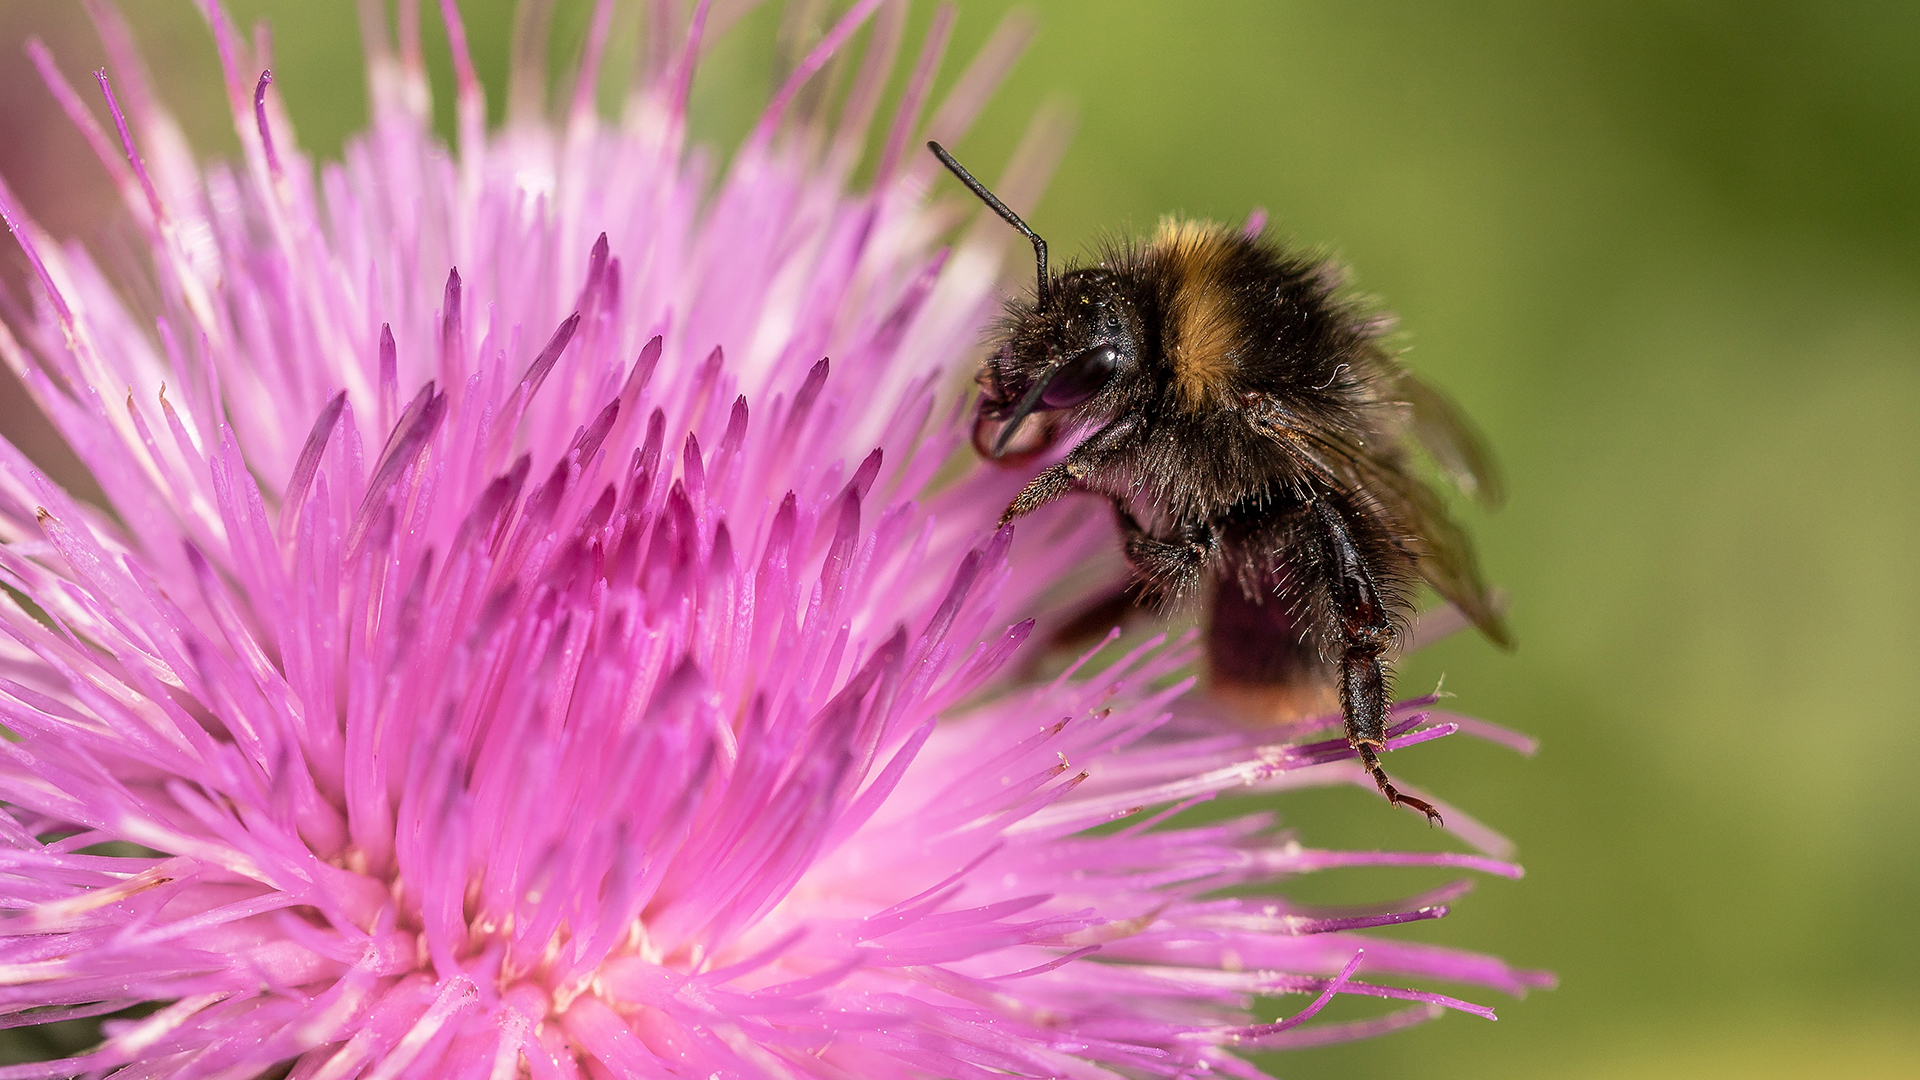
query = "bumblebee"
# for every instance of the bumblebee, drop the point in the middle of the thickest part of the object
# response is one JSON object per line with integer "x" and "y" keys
{"x": 1255, "y": 439}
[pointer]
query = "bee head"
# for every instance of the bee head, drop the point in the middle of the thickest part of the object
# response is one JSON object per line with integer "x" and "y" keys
{"x": 1069, "y": 352}
{"x": 1066, "y": 349}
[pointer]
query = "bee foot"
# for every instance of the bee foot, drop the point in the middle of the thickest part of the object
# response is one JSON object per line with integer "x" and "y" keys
{"x": 1393, "y": 794}
{"x": 1422, "y": 805}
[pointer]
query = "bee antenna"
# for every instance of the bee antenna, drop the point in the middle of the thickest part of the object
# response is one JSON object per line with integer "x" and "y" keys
{"x": 998, "y": 207}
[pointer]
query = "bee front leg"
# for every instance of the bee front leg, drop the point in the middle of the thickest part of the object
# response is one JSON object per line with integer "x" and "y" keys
{"x": 1366, "y": 631}
{"x": 1053, "y": 481}
{"x": 1173, "y": 567}
{"x": 1071, "y": 473}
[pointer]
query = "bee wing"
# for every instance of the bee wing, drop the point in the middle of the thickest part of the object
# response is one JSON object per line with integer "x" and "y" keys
{"x": 1453, "y": 441}
{"x": 1443, "y": 557}
{"x": 1447, "y": 561}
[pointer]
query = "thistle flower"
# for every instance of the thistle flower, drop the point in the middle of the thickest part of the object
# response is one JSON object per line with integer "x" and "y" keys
{"x": 509, "y": 648}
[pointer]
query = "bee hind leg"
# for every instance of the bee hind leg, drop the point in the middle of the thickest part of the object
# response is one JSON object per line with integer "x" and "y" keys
{"x": 1366, "y": 629}
{"x": 1363, "y": 701}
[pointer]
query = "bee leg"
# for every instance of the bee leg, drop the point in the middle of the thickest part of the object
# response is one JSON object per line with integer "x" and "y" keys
{"x": 1173, "y": 567}
{"x": 1363, "y": 700}
{"x": 1052, "y": 482}
{"x": 1070, "y": 473}
{"x": 1114, "y": 608}
{"x": 1366, "y": 629}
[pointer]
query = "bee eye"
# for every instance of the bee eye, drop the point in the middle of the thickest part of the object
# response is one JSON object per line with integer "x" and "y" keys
{"x": 1080, "y": 378}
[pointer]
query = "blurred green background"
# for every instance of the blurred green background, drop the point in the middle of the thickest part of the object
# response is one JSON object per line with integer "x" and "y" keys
{"x": 1668, "y": 255}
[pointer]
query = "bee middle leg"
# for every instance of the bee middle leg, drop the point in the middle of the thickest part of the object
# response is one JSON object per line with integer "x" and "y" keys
{"x": 1174, "y": 567}
{"x": 1366, "y": 632}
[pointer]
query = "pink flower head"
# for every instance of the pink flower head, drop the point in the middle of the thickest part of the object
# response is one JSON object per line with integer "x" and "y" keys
{"x": 541, "y": 623}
